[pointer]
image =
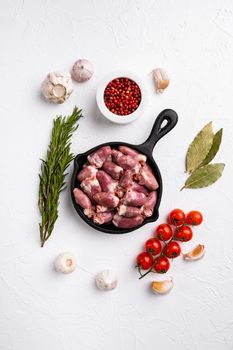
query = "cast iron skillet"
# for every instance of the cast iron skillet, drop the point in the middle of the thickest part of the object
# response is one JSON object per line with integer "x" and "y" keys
{"x": 157, "y": 132}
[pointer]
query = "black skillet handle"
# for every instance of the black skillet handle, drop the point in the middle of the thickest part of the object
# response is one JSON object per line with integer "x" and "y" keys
{"x": 158, "y": 130}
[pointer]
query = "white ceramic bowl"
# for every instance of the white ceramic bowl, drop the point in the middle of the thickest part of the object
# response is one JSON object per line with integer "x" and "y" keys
{"x": 121, "y": 119}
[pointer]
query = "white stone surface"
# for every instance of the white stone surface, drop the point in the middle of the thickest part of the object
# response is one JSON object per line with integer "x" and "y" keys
{"x": 41, "y": 309}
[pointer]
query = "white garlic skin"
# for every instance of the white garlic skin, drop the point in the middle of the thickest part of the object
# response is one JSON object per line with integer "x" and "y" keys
{"x": 162, "y": 287}
{"x": 195, "y": 254}
{"x": 57, "y": 86}
{"x": 65, "y": 262}
{"x": 106, "y": 280}
{"x": 82, "y": 70}
{"x": 161, "y": 79}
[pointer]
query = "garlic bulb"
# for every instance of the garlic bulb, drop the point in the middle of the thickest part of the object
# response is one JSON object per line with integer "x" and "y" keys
{"x": 82, "y": 70}
{"x": 161, "y": 79}
{"x": 162, "y": 287}
{"x": 65, "y": 262}
{"x": 106, "y": 280}
{"x": 57, "y": 87}
{"x": 195, "y": 254}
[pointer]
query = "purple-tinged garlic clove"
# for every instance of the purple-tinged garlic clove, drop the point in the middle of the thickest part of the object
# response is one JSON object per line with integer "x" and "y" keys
{"x": 161, "y": 79}
{"x": 162, "y": 287}
{"x": 195, "y": 254}
{"x": 82, "y": 70}
{"x": 65, "y": 263}
{"x": 57, "y": 87}
{"x": 106, "y": 280}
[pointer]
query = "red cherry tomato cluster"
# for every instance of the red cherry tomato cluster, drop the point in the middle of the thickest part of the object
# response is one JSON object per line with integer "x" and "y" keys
{"x": 165, "y": 245}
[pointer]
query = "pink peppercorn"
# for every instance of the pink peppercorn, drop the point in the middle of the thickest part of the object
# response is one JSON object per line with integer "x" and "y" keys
{"x": 122, "y": 96}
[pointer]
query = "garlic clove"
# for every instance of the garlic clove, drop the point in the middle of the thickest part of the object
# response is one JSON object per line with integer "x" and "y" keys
{"x": 106, "y": 280}
{"x": 82, "y": 70}
{"x": 59, "y": 91}
{"x": 57, "y": 87}
{"x": 161, "y": 79}
{"x": 162, "y": 287}
{"x": 195, "y": 254}
{"x": 65, "y": 262}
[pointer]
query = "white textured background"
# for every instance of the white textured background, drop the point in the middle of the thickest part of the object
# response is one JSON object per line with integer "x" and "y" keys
{"x": 40, "y": 309}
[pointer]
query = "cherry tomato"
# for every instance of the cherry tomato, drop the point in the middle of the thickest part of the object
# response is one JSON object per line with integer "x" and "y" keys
{"x": 144, "y": 260}
{"x": 172, "y": 250}
{"x": 164, "y": 232}
{"x": 162, "y": 265}
{"x": 184, "y": 234}
{"x": 194, "y": 218}
{"x": 153, "y": 246}
{"x": 176, "y": 217}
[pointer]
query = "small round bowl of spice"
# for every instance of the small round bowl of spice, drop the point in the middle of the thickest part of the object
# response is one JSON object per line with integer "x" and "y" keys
{"x": 121, "y": 97}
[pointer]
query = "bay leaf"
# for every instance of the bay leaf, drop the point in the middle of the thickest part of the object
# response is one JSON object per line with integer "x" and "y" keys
{"x": 214, "y": 148}
{"x": 199, "y": 148}
{"x": 204, "y": 176}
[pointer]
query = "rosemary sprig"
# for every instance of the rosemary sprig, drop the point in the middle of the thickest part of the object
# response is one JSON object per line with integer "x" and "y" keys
{"x": 52, "y": 176}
